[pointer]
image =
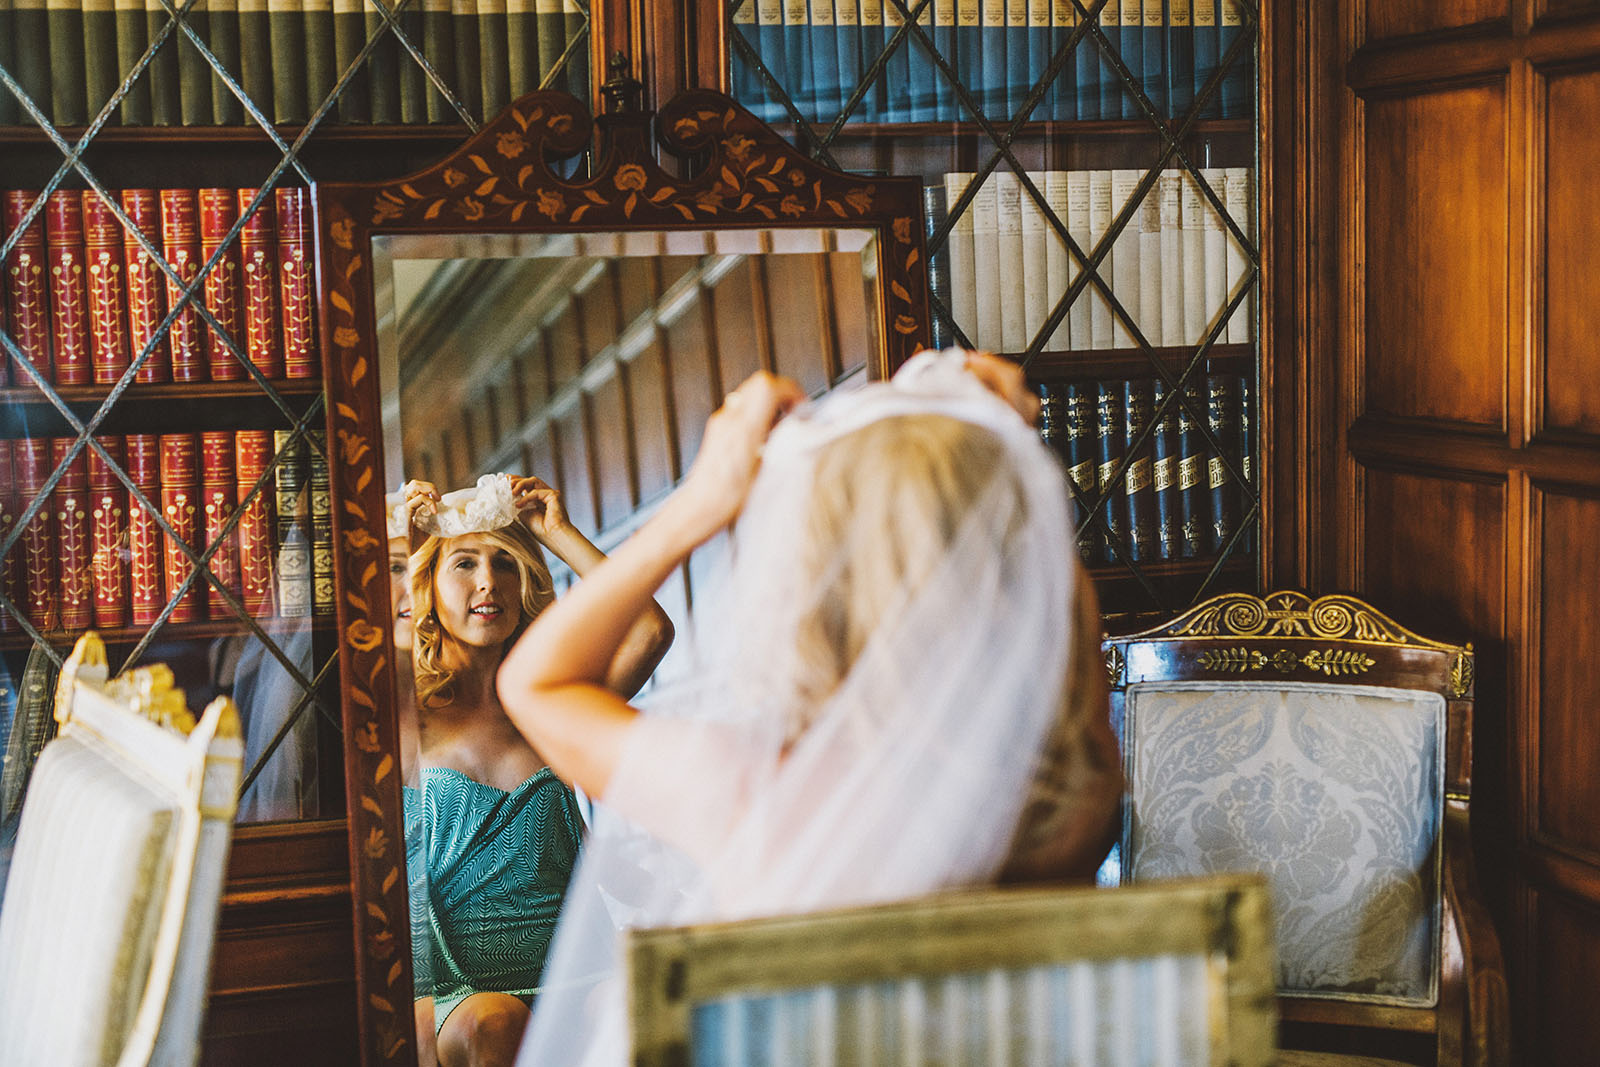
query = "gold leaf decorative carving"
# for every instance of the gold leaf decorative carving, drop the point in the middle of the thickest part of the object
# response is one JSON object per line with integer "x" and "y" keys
{"x": 1235, "y": 660}
{"x": 1461, "y": 672}
{"x": 1115, "y": 665}
{"x": 1334, "y": 662}
{"x": 1292, "y": 615}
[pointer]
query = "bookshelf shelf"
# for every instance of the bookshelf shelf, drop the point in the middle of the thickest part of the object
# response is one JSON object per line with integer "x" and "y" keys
{"x": 165, "y": 408}
{"x": 1050, "y": 128}
{"x": 173, "y": 631}
{"x": 172, "y": 391}
{"x": 1121, "y": 363}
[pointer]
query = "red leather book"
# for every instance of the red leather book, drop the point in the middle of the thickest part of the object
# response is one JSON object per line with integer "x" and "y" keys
{"x": 69, "y": 295}
{"x": 219, "y": 496}
{"x": 253, "y": 450}
{"x": 27, "y": 288}
{"x": 219, "y": 210}
{"x": 146, "y": 303}
{"x": 145, "y": 548}
{"x": 258, "y": 251}
{"x": 108, "y": 290}
{"x": 108, "y": 513}
{"x": 31, "y": 456}
{"x": 74, "y": 547}
{"x": 294, "y": 285}
{"x": 180, "y": 489}
{"x": 10, "y": 568}
{"x": 180, "y": 246}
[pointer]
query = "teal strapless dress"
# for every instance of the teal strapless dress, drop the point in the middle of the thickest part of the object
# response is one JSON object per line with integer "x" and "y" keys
{"x": 487, "y": 872}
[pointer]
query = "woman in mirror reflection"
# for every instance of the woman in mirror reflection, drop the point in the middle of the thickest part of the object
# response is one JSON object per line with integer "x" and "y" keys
{"x": 898, "y": 688}
{"x": 492, "y": 834}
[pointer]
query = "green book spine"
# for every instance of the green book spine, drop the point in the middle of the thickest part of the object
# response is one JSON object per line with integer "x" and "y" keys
{"x": 408, "y": 85}
{"x": 132, "y": 40}
{"x": 317, "y": 17}
{"x": 438, "y": 44}
{"x": 166, "y": 77}
{"x": 547, "y": 13}
{"x": 32, "y": 70}
{"x": 467, "y": 83}
{"x": 100, "y": 70}
{"x": 10, "y": 112}
{"x": 572, "y": 24}
{"x": 284, "y": 47}
{"x": 67, "y": 79}
{"x": 522, "y": 47}
{"x": 492, "y": 58}
{"x": 349, "y": 34}
{"x": 224, "y": 20}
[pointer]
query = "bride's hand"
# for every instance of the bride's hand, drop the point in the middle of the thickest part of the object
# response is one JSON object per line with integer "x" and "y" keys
{"x": 730, "y": 451}
{"x": 1005, "y": 380}
{"x": 539, "y": 506}
{"x": 421, "y": 498}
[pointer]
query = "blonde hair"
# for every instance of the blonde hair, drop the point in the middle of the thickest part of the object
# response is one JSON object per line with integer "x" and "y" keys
{"x": 887, "y": 502}
{"x": 433, "y": 680}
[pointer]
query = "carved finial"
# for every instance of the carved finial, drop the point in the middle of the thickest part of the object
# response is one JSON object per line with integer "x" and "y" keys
{"x": 621, "y": 90}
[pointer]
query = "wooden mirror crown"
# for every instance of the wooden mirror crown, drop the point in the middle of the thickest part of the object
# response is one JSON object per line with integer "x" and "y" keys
{"x": 725, "y": 170}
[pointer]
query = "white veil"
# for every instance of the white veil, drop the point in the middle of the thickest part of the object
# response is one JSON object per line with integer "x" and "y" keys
{"x": 738, "y": 797}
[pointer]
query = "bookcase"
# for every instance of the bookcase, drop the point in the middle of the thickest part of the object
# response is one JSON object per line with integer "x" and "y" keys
{"x": 1090, "y": 195}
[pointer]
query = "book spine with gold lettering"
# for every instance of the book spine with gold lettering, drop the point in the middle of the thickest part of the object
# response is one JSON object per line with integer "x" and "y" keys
{"x": 180, "y": 492}
{"x": 27, "y": 288}
{"x": 146, "y": 303}
{"x": 323, "y": 600}
{"x": 219, "y": 210}
{"x": 109, "y": 547}
{"x": 253, "y": 452}
{"x": 218, "y": 499}
{"x": 69, "y": 292}
{"x": 145, "y": 548}
{"x": 31, "y": 456}
{"x": 1080, "y": 456}
{"x": 108, "y": 289}
{"x": 258, "y": 253}
{"x": 1109, "y": 427}
{"x": 1164, "y": 474}
{"x": 1138, "y": 485}
{"x": 11, "y": 568}
{"x": 180, "y": 246}
{"x": 294, "y": 285}
{"x": 74, "y": 547}
{"x": 293, "y": 519}
{"x": 1222, "y": 411}
{"x": 1193, "y": 517}
{"x": 1247, "y": 455}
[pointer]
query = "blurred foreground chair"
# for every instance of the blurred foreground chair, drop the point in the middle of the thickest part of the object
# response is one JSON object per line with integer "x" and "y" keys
{"x": 1323, "y": 745}
{"x": 1177, "y": 974}
{"x": 111, "y": 904}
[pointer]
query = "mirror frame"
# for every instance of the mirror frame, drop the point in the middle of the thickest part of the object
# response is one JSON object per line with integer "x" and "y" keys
{"x": 744, "y": 177}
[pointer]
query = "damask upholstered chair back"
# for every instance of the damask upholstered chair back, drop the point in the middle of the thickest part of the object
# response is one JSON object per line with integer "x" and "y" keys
{"x": 1173, "y": 975}
{"x": 111, "y": 901}
{"x": 1320, "y": 743}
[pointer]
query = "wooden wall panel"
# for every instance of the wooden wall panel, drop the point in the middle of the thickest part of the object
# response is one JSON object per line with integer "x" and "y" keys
{"x": 613, "y": 460}
{"x": 564, "y": 337}
{"x": 574, "y": 477}
{"x": 1404, "y": 18}
{"x": 1571, "y": 378}
{"x": 800, "y": 331}
{"x": 655, "y": 466}
{"x": 1435, "y": 250}
{"x": 743, "y": 345}
{"x": 1565, "y": 1030}
{"x": 696, "y": 380}
{"x": 1568, "y": 562}
{"x": 1409, "y": 517}
{"x": 1560, "y": 8}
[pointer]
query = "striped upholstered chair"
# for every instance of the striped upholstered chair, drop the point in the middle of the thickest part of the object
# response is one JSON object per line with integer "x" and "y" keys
{"x": 1178, "y": 975}
{"x": 111, "y": 902}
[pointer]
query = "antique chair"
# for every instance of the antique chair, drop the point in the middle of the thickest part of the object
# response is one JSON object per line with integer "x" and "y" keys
{"x": 111, "y": 905}
{"x": 1321, "y": 744}
{"x": 1173, "y": 974}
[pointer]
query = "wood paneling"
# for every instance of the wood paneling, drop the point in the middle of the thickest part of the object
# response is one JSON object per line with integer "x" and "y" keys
{"x": 1568, "y": 562}
{"x": 1408, "y": 518}
{"x": 1571, "y": 378}
{"x": 613, "y": 460}
{"x": 1566, "y": 1028}
{"x": 1435, "y": 252}
{"x": 697, "y": 381}
{"x": 1405, "y": 18}
{"x": 655, "y": 466}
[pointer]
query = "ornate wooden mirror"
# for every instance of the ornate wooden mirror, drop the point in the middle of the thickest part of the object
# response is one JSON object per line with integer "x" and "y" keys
{"x": 489, "y": 314}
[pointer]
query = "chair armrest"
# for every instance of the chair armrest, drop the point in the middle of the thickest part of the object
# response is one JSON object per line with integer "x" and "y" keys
{"x": 1476, "y": 1019}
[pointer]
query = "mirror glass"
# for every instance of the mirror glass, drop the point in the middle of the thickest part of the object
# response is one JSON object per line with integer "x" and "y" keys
{"x": 591, "y": 361}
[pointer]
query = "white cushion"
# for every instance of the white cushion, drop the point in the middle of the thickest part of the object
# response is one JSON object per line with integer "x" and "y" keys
{"x": 1334, "y": 792}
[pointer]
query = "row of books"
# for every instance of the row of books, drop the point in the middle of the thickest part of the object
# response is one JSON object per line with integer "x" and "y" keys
{"x": 1178, "y": 498}
{"x": 92, "y": 556}
{"x": 820, "y": 51}
{"x": 287, "y": 56}
{"x": 83, "y": 297}
{"x": 1173, "y": 267}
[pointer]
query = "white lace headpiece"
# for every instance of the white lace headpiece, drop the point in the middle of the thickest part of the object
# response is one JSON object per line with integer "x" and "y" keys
{"x": 478, "y": 509}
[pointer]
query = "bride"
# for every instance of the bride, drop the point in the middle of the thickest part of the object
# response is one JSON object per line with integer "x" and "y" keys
{"x": 899, "y": 690}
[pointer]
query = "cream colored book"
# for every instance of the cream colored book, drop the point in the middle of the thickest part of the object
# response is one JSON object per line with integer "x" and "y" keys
{"x": 1009, "y": 249}
{"x": 963, "y": 283}
{"x": 1100, "y": 329}
{"x": 1216, "y": 249}
{"x": 1125, "y": 256}
{"x": 1239, "y": 199}
{"x": 1058, "y": 261}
